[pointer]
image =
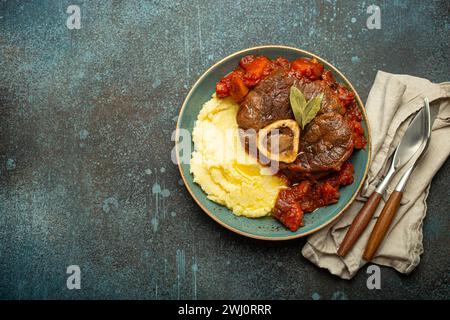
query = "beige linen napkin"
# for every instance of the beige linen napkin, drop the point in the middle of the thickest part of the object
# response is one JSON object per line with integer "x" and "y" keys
{"x": 392, "y": 102}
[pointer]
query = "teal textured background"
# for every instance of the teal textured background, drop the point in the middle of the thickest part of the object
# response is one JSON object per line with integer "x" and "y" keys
{"x": 85, "y": 138}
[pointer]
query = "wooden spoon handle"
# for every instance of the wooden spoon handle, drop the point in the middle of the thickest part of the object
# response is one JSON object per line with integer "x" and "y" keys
{"x": 359, "y": 224}
{"x": 382, "y": 225}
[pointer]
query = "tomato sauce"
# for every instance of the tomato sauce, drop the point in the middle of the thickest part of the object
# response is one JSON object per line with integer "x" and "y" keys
{"x": 308, "y": 195}
{"x": 251, "y": 70}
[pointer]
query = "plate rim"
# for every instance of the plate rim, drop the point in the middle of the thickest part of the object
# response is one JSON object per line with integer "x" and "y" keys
{"x": 206, "y": 210}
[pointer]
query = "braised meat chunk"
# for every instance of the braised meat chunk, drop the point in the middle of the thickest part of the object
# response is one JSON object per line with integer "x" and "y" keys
{"x": 325, "y": 145}
{"x": 267, "y": 102}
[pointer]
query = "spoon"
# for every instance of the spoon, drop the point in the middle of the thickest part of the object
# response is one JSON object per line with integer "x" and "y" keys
{"x": 390, "y": 208}
{"x": 408, "y": 146}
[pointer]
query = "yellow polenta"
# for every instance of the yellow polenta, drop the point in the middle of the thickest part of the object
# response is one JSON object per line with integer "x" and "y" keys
{"x": 223, "y": 169}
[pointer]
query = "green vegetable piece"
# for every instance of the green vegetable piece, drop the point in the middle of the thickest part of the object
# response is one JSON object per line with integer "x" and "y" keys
{"x": 311, "y": 110}
{"x": 304, "y": 112}
{"x": 298, "y": 104}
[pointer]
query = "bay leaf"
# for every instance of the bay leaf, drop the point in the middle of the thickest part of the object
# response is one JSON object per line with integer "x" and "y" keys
{"x": 298, "y": 104}
{"x": 311, "y": 109}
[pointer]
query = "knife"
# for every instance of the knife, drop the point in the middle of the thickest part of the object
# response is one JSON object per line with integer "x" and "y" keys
{"x": 390, "y": 208}
{"x": 408, "y": 146}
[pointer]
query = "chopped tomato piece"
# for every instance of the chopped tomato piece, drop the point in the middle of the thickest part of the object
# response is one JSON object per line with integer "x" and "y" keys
{"x": 256, "y": 70}
{"x": 238, "y": 90}
{"x": 353, "y": 113}
{"x": 345, "y": 176}
{"x": 328, "y": 77}
{"x": 345, "y": 95}
{"x": 223, "y": 86}
{"x": 322, "y": 194}
{"x": 309, "y": 68}
{"x": 246, "y": 61}
{"x": 287, "y": 207}
{"x": 358, "y": 135}
{"x": 292, "y": 217}
{"x": 327, "y": 193}
{"x": 354, "y": 116}
{"x": 252, "y": 69}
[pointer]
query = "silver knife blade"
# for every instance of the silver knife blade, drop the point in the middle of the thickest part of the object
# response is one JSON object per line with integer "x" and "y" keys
{"x": 408, "y": 146}
{"x": 412, "y": 139}
{"x": 426, "y": 134}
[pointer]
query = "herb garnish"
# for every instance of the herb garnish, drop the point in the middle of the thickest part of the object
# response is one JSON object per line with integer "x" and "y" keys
{"x": 304, "y": 111}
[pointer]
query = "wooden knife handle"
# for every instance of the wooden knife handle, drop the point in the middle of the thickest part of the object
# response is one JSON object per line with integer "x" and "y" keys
{"x": 382, "y": 225}
{"x": 359, "y": 224}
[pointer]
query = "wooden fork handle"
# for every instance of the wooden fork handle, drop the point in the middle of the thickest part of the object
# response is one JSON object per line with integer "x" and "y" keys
{"x": 359, "y": 224}
{"x": 382, "y": 225}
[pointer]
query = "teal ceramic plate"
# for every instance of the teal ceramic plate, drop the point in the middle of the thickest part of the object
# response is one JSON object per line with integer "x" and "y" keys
{"x": 266, "y": 228}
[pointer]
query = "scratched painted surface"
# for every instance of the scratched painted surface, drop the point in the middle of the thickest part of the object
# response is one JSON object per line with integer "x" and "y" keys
{"x": 85, "y": 138}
